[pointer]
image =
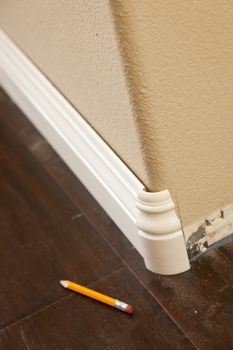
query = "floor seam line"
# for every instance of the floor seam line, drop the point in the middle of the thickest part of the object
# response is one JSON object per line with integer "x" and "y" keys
{"x": 35, "y": 312}
{"x": 61, "y": 299}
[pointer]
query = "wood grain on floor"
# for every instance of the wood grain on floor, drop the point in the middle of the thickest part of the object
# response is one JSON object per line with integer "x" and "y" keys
{"x": 48, "y": 234}
{"x": 44, "y": 237}
{"x": 80, "y": 323}
{"x": 200, "y": 300}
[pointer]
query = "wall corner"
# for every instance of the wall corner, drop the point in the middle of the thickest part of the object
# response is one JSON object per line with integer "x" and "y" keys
{"x": 161, "y": 238}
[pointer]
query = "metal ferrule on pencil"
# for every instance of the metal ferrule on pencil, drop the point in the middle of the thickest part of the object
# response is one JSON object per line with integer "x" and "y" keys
{"x": 120, "y": 305}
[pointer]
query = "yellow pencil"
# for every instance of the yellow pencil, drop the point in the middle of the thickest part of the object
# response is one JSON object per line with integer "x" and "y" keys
{"x": 120, "y": 305}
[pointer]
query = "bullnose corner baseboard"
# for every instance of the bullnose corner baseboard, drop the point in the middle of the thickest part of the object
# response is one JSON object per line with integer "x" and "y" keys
{"x": 162, "y": 242}
{"x": 159, "y": 239}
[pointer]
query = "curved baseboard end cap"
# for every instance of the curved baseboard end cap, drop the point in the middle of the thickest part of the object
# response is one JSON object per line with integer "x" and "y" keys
{"x": 161, "y": 238}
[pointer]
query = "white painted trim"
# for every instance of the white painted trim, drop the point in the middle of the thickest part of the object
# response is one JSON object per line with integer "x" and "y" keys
{"x": 108, "y": 179}
{"x": 162, "y": 240}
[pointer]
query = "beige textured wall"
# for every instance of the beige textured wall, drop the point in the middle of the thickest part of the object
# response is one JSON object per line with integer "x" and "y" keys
{"x": 74, "y": 44}
{"x": 179, "y": 56}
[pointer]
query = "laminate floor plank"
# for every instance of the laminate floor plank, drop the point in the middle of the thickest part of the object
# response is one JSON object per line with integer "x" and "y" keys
{"x": 200, "y": 300}
{"x": 43, "y": 235}
{"x": 77, "y": 322}
{"x": 96, "y": 215}
{"x": 227, "y": 250}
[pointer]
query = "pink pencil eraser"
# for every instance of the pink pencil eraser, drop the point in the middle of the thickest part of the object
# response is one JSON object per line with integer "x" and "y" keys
{"x": 129, "y": 309}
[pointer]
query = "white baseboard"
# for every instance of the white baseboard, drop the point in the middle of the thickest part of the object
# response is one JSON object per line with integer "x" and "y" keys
{"x": 108, "y": 179}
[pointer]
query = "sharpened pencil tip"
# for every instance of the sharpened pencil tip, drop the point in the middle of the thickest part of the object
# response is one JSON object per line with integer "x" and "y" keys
{"x": 64, "y": 283}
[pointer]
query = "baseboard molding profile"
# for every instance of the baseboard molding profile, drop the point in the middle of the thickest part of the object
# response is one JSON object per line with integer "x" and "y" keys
{"x": 162, "y": 241}
{"x": 148, "y": 220}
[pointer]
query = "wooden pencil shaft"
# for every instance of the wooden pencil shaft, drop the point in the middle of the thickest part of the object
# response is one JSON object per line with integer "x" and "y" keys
{"x": 120, "y": 305}
{"x": 91, "y": 293}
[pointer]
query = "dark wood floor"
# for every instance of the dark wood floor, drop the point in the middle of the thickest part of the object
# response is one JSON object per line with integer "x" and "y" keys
{"x": 51, "y": 229}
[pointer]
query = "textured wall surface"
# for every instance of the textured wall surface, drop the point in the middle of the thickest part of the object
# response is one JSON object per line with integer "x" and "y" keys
{"x": 179, "y": 60}
{"x": 74, "y": 44}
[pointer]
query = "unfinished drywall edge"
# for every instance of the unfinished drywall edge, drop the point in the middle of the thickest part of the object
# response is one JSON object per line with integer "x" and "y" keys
{"x": 162, "y": 242}
{"x": 208, "y": 230}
